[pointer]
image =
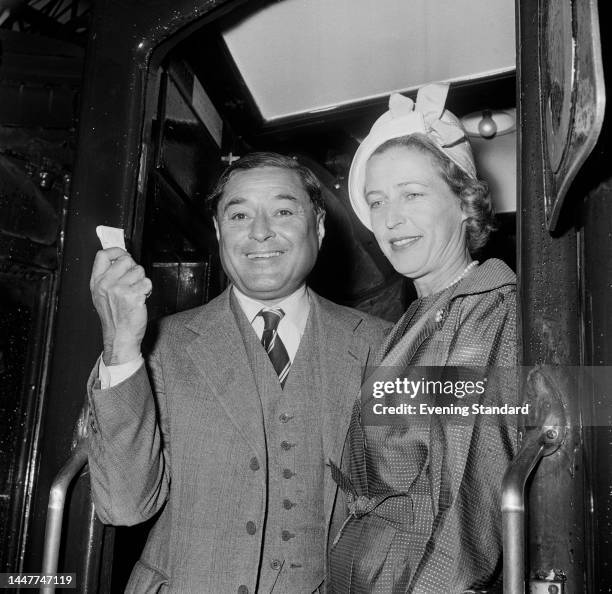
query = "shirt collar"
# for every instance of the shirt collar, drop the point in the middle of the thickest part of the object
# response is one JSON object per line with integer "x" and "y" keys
{"x": 296, "y": 306}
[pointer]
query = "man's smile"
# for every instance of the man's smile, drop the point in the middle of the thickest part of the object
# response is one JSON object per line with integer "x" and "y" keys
{"x": 264, "y": 255}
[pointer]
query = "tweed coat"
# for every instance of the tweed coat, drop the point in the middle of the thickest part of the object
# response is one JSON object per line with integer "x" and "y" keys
{"x": 183, "y": 440}
{"x": 473, "y": 325}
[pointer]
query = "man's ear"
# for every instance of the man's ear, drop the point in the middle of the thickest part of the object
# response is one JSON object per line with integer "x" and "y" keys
{"x": 216, "y": 224}
{"x": 320, "y": 226}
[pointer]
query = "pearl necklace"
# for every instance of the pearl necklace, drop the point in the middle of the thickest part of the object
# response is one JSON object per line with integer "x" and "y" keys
{"x": 441, "y": 313}
{"x": 469, "y": 267}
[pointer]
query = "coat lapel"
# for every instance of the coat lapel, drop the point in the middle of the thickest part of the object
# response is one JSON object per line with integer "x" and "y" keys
{"x": 399, "y": 355}
{"x": 343, "y": 356}
{"x": 220, "y": 359}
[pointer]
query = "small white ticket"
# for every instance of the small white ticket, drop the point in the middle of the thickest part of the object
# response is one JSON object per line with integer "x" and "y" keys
{"x": 110, "y": 237}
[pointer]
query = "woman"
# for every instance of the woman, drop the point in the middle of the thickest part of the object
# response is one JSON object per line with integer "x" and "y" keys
{"x": 424, "y": 490}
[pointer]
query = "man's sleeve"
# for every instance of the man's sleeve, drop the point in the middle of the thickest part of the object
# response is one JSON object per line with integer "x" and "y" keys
{"x": 128, "y": 461}
{"x": 112, "y": 375}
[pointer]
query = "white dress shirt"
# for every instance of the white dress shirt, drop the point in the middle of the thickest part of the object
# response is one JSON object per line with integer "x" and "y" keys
{"x": 292, "y": 325}
{"x": 290, "y": 329}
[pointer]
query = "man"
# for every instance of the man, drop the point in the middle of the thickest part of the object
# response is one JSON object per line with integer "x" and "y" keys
{"x": 227, "y": 436}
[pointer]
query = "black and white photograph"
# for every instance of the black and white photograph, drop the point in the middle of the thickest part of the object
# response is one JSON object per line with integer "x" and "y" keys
{"x": 305, "y": 296}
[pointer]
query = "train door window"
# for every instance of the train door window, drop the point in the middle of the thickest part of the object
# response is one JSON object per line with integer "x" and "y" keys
{"x": 179, "y": 246}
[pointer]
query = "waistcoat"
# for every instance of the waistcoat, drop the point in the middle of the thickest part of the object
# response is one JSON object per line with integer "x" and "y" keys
{"x": 293, "y": 552}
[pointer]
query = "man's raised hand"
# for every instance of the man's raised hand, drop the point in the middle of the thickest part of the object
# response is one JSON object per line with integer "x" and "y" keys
{"x": 119, "y": 289}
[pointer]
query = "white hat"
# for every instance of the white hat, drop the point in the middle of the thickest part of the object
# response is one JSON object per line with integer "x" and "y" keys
{"x": 428, "y": 117}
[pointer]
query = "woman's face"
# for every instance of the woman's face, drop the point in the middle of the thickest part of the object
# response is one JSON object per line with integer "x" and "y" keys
{"x": 416, "y": 217}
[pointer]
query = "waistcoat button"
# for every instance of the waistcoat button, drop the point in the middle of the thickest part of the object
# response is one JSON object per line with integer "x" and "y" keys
{"x": 287, "y": 473}
{"x": 285, "y": 445}
{"x": 243, "y": 589}
{"x": 254, "y": 464}
{"x": 251, "y": 528}
{"x": 288, "y": 504}
{"x": 275, "y": 564}
{"x": 286, "y": 535}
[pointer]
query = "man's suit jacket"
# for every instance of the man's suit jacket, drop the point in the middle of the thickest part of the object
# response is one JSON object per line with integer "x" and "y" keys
{"x": 195, "y": 453}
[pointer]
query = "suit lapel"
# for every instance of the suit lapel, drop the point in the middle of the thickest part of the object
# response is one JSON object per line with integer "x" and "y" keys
{"x": 220, "y": 359}
{"x": 343, "y": 356}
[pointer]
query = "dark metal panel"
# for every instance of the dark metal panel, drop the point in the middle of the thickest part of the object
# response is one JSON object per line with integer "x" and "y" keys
{"x": 37, "y": 59}
{"x": 596, "y": 317}
{"x": 25, "y": 297}
{"x": 573, "y": 94}
{"x": 548, "y": 286}
{"x": 25, "y": 210}
{"x": 40, "y": 81}
{"x": 35, "y": 167}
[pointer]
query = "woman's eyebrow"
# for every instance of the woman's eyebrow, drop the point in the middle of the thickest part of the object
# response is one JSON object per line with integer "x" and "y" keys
{"x": 398, "y": 185}
{"x": 410, "y": 183}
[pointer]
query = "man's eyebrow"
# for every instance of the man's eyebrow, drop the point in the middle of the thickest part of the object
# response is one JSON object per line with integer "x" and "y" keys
{"x": 232, "y": 202}
{"x": 239, "y": 200}
{"x": 286, "y": 197}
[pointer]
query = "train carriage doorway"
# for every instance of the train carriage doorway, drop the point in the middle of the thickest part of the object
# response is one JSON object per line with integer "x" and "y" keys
{"x": 163, "y": 109}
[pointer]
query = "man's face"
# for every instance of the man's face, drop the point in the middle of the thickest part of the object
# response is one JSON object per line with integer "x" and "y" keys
{"x": 269, "y": 235}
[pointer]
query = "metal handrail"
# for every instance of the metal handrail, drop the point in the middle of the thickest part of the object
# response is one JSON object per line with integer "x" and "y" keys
{"x": 55, "y": 509}
{"x": 513, "y": 514}
{"x": 544, "y": 434}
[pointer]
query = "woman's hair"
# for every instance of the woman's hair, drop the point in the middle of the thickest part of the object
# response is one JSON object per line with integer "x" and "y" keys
{"x": 472, "y": 193}
{"x": 267, "y": 159}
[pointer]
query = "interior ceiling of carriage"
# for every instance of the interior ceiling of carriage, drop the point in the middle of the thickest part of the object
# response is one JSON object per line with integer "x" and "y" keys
{"x": 272, "y": 62}
{"x": 306, "y": 56}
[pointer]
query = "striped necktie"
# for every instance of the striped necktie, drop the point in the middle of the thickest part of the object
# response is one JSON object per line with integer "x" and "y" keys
{"x": 273, "y": 344}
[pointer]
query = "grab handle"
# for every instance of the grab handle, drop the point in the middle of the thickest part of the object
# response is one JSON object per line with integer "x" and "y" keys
{"x": 543, "y": 436}
{"x": 55, "y": 509}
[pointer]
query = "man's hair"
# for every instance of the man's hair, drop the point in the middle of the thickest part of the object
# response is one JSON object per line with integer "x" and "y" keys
{"x": 473, "y": 193}
{"x": 267, "y": 159}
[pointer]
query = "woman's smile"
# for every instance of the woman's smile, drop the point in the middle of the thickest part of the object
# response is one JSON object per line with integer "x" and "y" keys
{"x": 404, "y": 242}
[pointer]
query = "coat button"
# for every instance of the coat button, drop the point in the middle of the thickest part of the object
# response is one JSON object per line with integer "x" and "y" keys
{"x": 287, "y": 473}
{"x": 284, "y": 418}
{"x": 288, "y": 504}
{"x": 285, "y": 445}
{"x": 251, "y": 528}
{"x": 243, "y": 589}
{"x": 286, "y": 535}
{"x": 254, "y": 464}
{"x": 275, "y": 564}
